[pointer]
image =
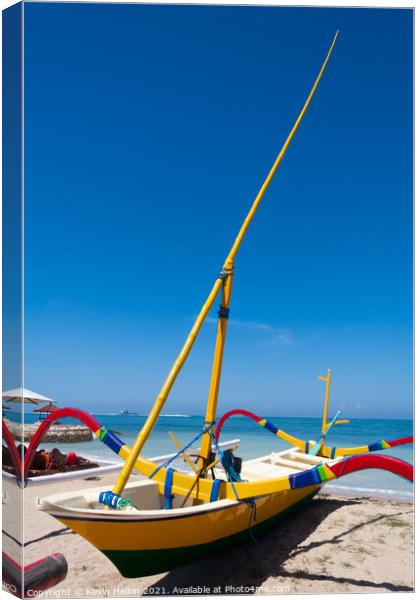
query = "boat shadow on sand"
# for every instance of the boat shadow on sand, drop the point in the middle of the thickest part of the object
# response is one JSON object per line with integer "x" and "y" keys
{"x": 265, "y": 557}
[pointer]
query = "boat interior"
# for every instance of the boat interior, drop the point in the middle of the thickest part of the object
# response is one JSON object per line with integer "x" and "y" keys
{"x": 279, "y": 464}
{"x": 147, "y": 495}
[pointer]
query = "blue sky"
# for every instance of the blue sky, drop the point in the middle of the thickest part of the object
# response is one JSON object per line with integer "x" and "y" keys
{"x": 148, "y": 133}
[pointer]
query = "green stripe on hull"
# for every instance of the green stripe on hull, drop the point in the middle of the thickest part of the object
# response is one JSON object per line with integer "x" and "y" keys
{"x": 139, "y": 563}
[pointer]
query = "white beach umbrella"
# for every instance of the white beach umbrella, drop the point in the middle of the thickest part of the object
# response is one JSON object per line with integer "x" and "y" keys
{"x": 24, "y": 395}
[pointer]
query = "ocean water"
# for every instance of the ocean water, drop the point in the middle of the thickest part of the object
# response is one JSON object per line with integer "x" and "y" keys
{"x": 256, "y": 441}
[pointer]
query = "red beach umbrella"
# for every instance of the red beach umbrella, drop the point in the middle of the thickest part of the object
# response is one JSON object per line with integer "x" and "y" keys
{"x": 47, "y": 409}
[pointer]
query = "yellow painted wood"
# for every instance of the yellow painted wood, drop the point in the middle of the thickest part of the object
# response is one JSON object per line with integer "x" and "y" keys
{"x": 184, "y": 454}
{"x": 217, "y": 366}
{"x": 182, "y": 482}
{"x": 339, "y": 422}
{"x": 327, "y": 379}
{"x": 164, "y": 392}
{"x": 279, "y": 158}
{"x": 183, "y": 355}
{"x": 205, "y": 527}
{"x": 328, "y": 473}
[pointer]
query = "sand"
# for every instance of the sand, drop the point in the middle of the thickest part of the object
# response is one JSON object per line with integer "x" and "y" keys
{"x": 335, "y": 544}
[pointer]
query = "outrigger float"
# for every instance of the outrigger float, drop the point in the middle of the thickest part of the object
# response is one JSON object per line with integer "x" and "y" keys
{"x": 177, "y": 515}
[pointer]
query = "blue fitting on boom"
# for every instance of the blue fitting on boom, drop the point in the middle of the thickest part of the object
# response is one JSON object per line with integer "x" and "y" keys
{"x": 225, "y": 273}
{"x": 223, "y": 312}
{"x": 113, "y": 500}
{"x": 109, "y": 499}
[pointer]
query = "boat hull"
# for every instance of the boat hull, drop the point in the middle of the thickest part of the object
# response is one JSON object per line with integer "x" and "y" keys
{"x": 146, "y": 546}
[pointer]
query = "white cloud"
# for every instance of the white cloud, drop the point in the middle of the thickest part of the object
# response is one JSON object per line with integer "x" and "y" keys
{"x": 270, "y": 333}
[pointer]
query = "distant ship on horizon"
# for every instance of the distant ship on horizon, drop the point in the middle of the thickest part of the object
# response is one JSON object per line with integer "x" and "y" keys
{"x": 127, "y": 413}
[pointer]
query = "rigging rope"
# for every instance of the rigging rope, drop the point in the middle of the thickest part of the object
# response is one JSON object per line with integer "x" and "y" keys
{"x": 178, "y": 454}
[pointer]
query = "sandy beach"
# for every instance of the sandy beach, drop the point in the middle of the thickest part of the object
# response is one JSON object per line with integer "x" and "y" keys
{"x": 335, "y": 544}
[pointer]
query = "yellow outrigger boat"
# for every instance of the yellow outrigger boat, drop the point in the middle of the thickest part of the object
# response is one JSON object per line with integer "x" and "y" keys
{"x": 175, "y": 516}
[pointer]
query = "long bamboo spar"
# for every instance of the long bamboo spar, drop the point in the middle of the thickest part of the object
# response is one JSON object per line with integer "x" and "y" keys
{"x": 327, "y": 380}
{"x": 183, "y": 355}
{"x": 278, "y": 160}
{"x": 216, "y": 371}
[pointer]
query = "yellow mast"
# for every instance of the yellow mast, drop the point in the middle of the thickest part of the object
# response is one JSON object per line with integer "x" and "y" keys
{"x": 217, "y": 362}
{"x": 327, "y": 380}
{"x": 182, "y": 357}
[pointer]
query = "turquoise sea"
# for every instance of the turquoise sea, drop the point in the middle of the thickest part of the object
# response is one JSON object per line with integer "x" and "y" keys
{"x": 256, "y": 441}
